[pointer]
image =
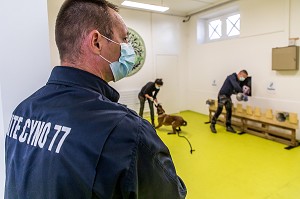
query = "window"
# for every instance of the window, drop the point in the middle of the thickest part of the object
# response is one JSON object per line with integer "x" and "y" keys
{"x": 215, "y": 29}
{"x": 223, "y": 27}
{"x": 233, "y": 25}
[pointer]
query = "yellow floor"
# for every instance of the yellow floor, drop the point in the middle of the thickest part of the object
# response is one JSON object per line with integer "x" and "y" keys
{"x": 232, "y": 166}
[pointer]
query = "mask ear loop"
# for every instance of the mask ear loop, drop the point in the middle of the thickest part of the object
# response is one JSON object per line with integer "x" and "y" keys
{"x": 105, "y": 59}
{"x": 110, "y": 39}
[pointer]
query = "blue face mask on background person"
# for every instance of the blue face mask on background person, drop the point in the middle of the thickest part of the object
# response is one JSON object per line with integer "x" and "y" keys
{"x": 124, "y": 65}
{"x": 242, "y": 79}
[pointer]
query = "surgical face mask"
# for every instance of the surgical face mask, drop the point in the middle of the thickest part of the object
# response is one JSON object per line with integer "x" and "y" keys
{"x": 157, "y": 87}
{"x": 124, "y": 65}
{"x": 242, "y": 79}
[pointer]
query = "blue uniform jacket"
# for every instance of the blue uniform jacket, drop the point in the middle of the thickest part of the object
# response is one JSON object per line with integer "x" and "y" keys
{"x": 72, "y": 140}
{"x": 231, "y": 86}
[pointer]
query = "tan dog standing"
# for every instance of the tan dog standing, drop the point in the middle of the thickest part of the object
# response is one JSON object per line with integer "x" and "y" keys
{"x": 167, "y": 120}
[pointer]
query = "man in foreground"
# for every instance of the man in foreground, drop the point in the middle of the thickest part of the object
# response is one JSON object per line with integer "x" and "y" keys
{"x": 71, "y": 139}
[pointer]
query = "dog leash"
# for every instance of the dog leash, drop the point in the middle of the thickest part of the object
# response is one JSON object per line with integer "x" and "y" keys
{"x": 182, "y": 136}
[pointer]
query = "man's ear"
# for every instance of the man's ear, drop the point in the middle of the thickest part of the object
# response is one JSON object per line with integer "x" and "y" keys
{"x": 96, "y": 41}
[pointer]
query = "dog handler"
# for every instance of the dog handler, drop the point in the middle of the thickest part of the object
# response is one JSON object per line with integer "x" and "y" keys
{"x": 71, "y": 139}
{"x": 230, "y": 86}
{"x": 149, "y": 92}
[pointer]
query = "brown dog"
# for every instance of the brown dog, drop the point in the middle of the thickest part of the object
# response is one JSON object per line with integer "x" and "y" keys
{"x": 165, "y": 119}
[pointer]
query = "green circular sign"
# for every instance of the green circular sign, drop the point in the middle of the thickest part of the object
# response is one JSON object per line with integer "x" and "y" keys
{"x": 138, "y": 44}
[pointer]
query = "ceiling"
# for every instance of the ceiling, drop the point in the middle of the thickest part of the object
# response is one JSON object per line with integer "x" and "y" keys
{"x": 180, "y": 7}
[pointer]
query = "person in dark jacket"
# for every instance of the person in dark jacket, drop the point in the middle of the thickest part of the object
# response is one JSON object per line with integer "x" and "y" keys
{"x": 230, "y": 86}
{"x": 71, "y": 139}
{"x": 149, "y": 93}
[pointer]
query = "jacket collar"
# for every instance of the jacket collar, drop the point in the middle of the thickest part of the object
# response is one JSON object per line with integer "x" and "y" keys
{"x": 73, "y": 76}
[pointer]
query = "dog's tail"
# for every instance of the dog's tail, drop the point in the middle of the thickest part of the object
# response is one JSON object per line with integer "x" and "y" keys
{"x": 184, "y": 123}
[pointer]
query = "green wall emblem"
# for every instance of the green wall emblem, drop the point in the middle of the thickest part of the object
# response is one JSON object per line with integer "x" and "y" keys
{"x": 138, "y": 44}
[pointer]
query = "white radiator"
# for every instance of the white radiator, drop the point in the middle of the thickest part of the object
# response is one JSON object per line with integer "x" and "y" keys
{"x": 131, "y": 100}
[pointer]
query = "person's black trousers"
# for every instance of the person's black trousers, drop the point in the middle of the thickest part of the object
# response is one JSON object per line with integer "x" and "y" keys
{"x": 223, "y": 100}
{"x": 142, "y": 106}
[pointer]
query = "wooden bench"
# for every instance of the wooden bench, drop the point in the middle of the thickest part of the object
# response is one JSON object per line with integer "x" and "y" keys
{"x": 252, "y": 121}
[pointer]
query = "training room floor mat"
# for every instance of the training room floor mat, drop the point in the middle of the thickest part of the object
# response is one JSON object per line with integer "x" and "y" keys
{"x": 231, "y": 166}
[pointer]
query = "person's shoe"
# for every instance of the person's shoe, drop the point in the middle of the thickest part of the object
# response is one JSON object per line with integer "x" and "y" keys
{"x": 230, "y": 129}
{"x": 213, "y": 129}
{"x": 153, "y": 123}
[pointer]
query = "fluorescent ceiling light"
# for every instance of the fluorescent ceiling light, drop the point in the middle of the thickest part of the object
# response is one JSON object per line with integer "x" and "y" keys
{"x": 144, "y": 6}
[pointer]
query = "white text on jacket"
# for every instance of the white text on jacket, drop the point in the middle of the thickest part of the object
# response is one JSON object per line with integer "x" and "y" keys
{"x": 36, "y": 133}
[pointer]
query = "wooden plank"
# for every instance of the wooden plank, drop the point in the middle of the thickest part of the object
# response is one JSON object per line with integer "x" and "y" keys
{"x": 265, "y": 126}
{"x": 276, "y": 133}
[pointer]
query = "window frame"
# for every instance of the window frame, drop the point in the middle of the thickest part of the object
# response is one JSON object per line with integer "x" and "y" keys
{"x": 223, "y": 19}
{"x": 208, "y": 26}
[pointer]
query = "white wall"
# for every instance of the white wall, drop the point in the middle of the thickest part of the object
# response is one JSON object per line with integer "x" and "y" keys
{"x": 25, "y": 58}
{"x": 2, "y": 157}
{"x": 53, "y": 8}
{"x": 264, "y": 25}
{"x": 163, "y": 35}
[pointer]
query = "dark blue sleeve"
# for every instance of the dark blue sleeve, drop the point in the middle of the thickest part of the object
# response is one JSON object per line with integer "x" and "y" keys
{"x": 235, "y": 83}
{"x": 152, "y": 172}
{"x": 135, "y": 163}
